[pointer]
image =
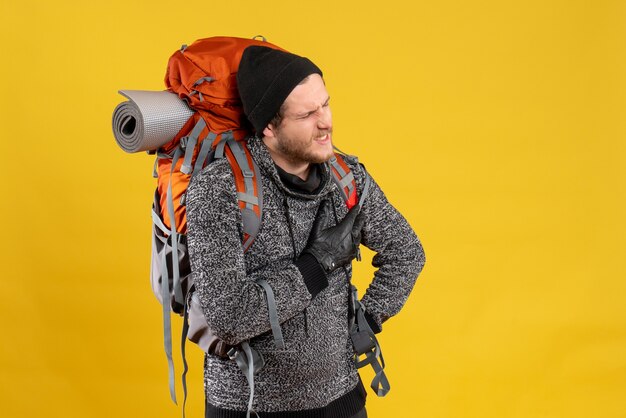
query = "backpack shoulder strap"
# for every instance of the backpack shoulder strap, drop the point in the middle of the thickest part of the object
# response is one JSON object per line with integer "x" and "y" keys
{"x": 249, "y": 190}
{"x": 344, "y": 179}
{"x": 367, "y": 349}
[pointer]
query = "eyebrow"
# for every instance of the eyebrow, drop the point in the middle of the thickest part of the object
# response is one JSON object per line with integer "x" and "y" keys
{"x": 309, "y": 112}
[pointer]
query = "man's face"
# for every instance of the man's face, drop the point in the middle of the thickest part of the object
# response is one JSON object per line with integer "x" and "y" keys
{"x": 305, "y": 132}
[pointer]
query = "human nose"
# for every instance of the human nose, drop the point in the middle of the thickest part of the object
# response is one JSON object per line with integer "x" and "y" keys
{"x": 325, "y": 120}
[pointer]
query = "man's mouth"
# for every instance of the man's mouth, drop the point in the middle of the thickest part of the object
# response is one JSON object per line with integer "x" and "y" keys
{"x": 323, "y": 139}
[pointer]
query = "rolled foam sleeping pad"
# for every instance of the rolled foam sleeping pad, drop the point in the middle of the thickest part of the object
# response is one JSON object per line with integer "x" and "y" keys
{"x": 149, "y": 119}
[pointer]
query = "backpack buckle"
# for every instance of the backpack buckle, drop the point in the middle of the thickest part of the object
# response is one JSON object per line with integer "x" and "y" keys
{"x": 247, "y": 173}
{"x": 232, "y": 353}
{"x": 362, "y": 342}
{"x": 351, "y": 159}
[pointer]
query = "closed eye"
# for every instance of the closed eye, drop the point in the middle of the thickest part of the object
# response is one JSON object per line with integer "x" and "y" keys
{"x": 312, "y": 112}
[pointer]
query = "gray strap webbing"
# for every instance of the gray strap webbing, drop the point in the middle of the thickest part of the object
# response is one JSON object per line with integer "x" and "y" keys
{"x": 365, "y": 343}
{"x": 247, "y": 243}
{"x": 219, "y": 148}
{"x": 200, "y": 95}
{"x": 366, "y": 189}
{"x": 191, "y": 145}
{"x": 156, "y": 219}
{"x": 165, "y": 291}
{"x": 337, "y": 166}
{"x": 248, "y": 175}
{"x": 167, "y": 327}
{"x": 249, "y": 362}
{"x": 251, "y": 199}
{"x": 178, "y": 294}
{"x": 341, "y": 177}
{"x": 204, "y": 152}
{"x": 252, "y": 222}
{"x": 249, "y": 376}
{"x": 259, "y": 188}
{"x": 380, "y": 383}
{"x": 202, "y": 80}
{"x": 346, "y": 180}
{"x": 182, "y": 349}
{"x": 273, "y": 313}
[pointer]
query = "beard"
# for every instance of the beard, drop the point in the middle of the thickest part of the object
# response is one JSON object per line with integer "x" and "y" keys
{"x": 298, "y": 151}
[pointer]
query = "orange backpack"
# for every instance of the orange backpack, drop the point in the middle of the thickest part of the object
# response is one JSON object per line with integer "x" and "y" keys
{"x": 203, "y": 74}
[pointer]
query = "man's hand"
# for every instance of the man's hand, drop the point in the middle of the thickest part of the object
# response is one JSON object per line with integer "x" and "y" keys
{"x": 338, "y": 245}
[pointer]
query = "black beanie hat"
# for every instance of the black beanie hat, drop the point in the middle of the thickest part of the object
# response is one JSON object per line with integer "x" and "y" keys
{"x": 265, "y": 78}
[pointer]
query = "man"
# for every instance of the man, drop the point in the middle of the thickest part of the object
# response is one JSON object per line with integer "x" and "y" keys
{"x": 303, "y": 250}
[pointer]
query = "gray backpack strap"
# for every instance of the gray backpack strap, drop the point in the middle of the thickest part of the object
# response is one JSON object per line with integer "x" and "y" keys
{"x": 366, "y": 188}
{"x": 251, "y": 176}
{"x": 190, "y": 145}
{"x": 178, "y": 294}
{"x": 182, "y": 348}
{"x": 165, "y": 304}
{"x": 250, "y": 362}
{"x": 165, "y": 275}
{"x": 204, "y": 152}
{"x": 248, "y": 175}
{"x": 365, "y": 344}
{"x": 342, "y": 178}
{"x": 219, "y": 148}
{"x": 273, "y": 313}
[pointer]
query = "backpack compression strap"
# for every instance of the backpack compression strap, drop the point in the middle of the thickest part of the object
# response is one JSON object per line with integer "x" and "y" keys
{"x": 167, "y": 327}
{"x": 250, "y": 362}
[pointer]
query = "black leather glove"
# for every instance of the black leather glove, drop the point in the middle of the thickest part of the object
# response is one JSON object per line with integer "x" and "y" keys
{"x": 338, "y": 245}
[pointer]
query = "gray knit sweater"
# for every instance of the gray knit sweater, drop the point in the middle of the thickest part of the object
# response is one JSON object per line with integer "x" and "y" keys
{"x": 316, "y": 366}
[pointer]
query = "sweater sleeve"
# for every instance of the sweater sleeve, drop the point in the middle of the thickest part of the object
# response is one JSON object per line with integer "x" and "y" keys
{"x": 399, "y": 257}
{"x": 234, "y": 305}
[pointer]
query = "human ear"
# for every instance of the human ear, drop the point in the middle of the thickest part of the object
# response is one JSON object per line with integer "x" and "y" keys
{"x": 269, "y": 131}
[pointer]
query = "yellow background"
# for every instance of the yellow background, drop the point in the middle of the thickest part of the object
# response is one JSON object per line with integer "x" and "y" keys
{"x": 496, "y": 127}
